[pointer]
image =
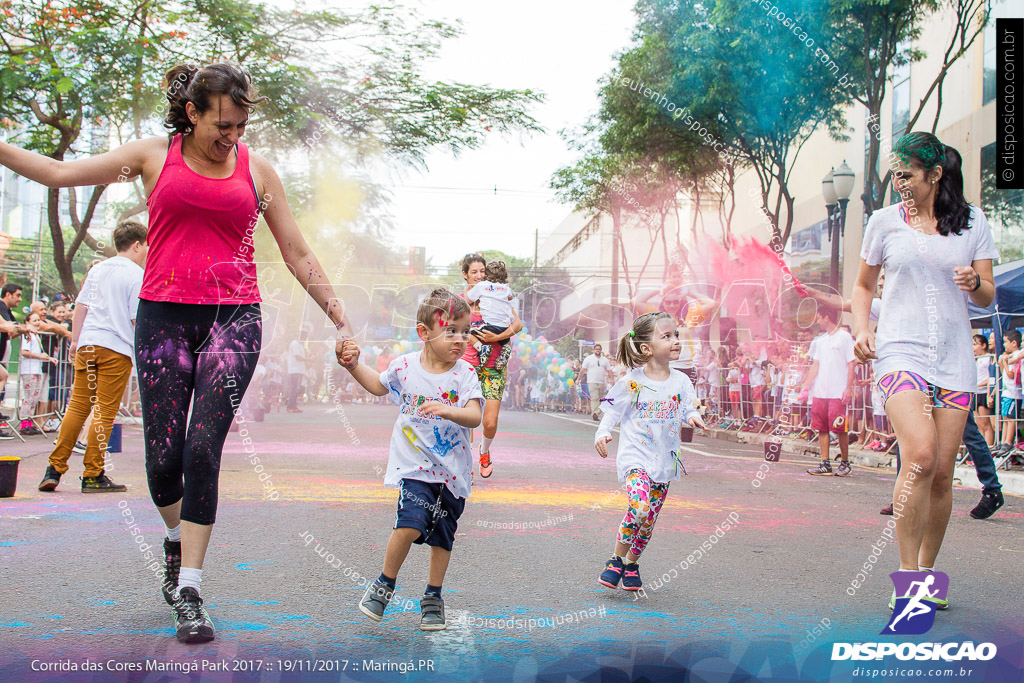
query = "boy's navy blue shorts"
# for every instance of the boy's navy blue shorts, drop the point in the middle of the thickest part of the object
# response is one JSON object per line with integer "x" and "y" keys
{"x": 431, "y": 509}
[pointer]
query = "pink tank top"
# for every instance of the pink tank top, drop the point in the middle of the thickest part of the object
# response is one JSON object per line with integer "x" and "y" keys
{"x": 200, "y": 234}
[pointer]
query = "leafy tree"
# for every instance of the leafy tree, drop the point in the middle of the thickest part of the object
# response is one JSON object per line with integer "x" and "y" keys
{"x": 872, "y": 37}
{"x": 717, "y": 53}
{"x": 77, "y": 74}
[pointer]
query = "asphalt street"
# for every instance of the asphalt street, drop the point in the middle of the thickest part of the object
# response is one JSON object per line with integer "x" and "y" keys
{"x": 751, "y": 568}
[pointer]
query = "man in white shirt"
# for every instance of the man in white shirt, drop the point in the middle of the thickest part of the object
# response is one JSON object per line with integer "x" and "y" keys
{"x": 296, "y": 370}
{"x": 102, "y": 346}
{"x": 830, "y": 381}
{"x": 598, "y": 371}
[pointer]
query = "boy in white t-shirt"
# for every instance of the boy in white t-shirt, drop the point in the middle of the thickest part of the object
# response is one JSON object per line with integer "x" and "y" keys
{"x": 102, "y": 346}
{"x": 494, "y": 297}
{"x": 430, "y": 460}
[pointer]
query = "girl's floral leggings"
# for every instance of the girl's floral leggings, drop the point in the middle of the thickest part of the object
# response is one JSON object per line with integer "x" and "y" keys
{"x": 645, "y": 500}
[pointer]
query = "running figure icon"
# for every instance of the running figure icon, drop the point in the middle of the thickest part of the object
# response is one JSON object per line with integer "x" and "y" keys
{"x": 915, "y": 606}
{"x": 920, "y": 593}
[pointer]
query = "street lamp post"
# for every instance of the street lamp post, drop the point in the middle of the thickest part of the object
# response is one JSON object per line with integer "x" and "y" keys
{"x": 842, "y": 179}
{"x": 836, "y": 188}
{"x": 828, "y": 191}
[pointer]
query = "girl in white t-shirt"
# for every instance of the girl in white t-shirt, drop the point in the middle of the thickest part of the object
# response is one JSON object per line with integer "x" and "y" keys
{"x": 937, "y": 251}
{"x": 652, "y": 402}
{"x": 30, "y": 371}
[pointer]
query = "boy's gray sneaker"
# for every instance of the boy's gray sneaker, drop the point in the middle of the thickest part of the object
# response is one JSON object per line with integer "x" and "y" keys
{"x": 432, "y": 613}
{"x": 376, "y": 600}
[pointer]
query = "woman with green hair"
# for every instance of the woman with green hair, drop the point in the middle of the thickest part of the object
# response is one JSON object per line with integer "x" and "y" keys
{"x": 937, "y": 251}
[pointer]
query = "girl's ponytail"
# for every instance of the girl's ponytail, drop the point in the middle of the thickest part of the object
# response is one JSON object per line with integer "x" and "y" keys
{"x": 630, "y": 353}
{"x": 952, "y": 212}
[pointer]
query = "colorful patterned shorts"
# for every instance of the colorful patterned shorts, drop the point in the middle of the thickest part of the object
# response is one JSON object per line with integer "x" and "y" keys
{"x": 492, "y": 383}
{"x": 904, "y": 380}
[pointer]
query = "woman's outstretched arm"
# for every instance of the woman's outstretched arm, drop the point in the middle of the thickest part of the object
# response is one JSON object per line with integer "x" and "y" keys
{"x": 117, "y": 165}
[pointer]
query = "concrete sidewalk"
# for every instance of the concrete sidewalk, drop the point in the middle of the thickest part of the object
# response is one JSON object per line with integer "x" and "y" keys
{"x": 1013, "y": 482}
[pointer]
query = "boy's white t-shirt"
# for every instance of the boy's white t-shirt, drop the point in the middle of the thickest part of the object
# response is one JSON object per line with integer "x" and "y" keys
{"x": 924, "y": 326}
{"x": 1010, "y": 387}
{"x": 734, "y": 379}
{"x": 426, "y": 447}
{"x": 756, "y": 376}
{"x": 650, "y": 414}
{"x": 834, "y": 353}
{"x": 495, "y": 302}
{"x": 111, "y": 292}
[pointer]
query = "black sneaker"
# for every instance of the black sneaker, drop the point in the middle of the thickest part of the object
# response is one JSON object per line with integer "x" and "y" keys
{"x": 31, "y": 430}
{"x": 191, "y": 622}
{"x": 50, "y": 479}
{"x": 101, "y": 484}
{"x": 990, "y": 502}
{"x": 612, "y": 573}
{"x": 172, "y": 566}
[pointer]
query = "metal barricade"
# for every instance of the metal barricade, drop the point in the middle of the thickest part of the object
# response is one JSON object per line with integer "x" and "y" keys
{"x": 41, "y": 398}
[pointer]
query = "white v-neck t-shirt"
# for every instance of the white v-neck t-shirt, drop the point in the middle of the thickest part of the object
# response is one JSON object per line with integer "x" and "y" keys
{"x": 923, "y": 326}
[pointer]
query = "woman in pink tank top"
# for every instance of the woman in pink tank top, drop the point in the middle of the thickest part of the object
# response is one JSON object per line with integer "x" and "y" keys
{"x": 492, "y": 375}
{"x": 198, "y": 330}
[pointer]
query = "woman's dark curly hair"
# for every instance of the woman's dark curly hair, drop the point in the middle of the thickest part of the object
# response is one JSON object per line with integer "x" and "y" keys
{"x": 188, "y": 83}
{"x": 952, "y": 212}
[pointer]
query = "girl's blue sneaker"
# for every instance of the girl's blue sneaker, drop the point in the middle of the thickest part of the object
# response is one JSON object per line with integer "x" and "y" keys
{"x": 631, "y": 577}
{"x": 612, "y": 573}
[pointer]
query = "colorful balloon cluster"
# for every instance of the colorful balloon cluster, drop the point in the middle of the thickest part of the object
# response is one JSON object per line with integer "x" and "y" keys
{"x": 534, "y": 352}
{"x": 541, "y": 354}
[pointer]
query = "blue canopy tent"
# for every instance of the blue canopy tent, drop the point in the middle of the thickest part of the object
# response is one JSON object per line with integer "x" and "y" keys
{"x": 1007, "y": 311}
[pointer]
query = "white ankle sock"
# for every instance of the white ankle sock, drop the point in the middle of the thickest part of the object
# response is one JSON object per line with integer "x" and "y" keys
{"x": 926, "y": 569}
{"x": 190, "y": 577}
{"x": 485, "y": 445}
{"x": 173, "y": 534}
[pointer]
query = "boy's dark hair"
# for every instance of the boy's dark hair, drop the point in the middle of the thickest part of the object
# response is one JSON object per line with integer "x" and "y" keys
{"x": 10, "y": 288}
{"x": 127, "y": 233}
{"x": 440, "y": 306}
{"x": 496, "y": 271}
{"x": 828, "y": 312}
{"x": 1012, "y": 335}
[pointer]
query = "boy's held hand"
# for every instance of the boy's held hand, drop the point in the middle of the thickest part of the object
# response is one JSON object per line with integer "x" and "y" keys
{"x": 347, "y": 351}
{"x": 602, "y": 446}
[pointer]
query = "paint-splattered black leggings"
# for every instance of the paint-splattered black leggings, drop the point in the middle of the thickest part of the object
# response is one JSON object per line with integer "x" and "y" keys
{"x": 201, "y": 353}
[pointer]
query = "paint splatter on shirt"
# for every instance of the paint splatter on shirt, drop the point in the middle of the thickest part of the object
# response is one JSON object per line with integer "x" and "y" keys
{"x": 651, "y": 414}
{"x": 427, "y": 447}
